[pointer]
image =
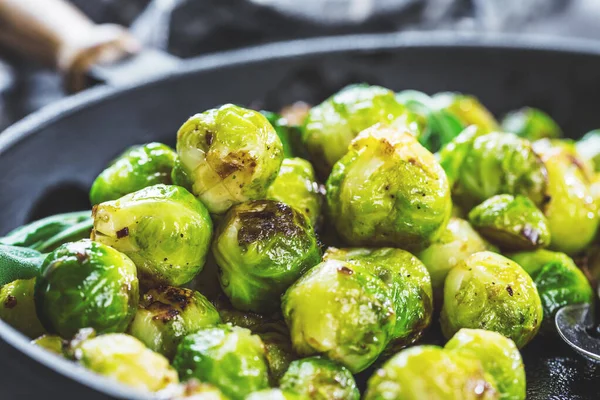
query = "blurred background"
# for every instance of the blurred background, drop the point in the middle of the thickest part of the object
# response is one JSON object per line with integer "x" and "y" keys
{"x": 188, "y": 28}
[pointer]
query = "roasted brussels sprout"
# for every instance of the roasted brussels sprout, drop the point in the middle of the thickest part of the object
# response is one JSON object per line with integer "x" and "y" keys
{"x": 558, "y": 280}
{"x": 52, "y": 343}
{"x": 262, "y": 247}
{"x": 467, "y": 109}
{"x": 512, "y": 223}
{"x": 86, "y": 284}
{"x": 388, "y": 190}
{"x": 229, "y": 357}
{"x": 135, "y": 169}
{"x": 532, "y": 124}
{"x": 330, "y": 126}
{"x": 193, "y": 390}
{"x": 458, "y": 241}
{"x": 438, "y": 125}
{"x": 278, "y": 352}
{"x": 409, "y": 282}
{"x": 17, "y": 307}
{"x": 498, "y": 355}
{"x": 274, "y": 394}
{"x": 317, "y": 378}
{"x": 167, "y": 314}
{"x": 481, "y": 166}
{"x": 571, "y": 210}
{"x": 296, "y": 186}
{"x": 127, "y": 360}
{"x": 489, "y": 291}
{"x": 227, "y": 156}
{"x": 589, "y": 148}
{"x": 164, "y": 229}
{"x": 429, "y": 372}
{"x": 342, "y": 311}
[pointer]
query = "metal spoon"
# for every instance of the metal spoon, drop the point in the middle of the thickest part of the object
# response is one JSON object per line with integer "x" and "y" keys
{"x": 579, "y": 326}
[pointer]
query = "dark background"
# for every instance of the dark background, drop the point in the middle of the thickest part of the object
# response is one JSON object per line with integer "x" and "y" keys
{"x": 189, "y": 28}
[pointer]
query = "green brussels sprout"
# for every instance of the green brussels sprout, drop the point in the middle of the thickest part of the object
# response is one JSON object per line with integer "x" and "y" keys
{"x": 409, "y": 282}
{"x": 317, "y": 378}
{"x": 261, "y": 248}
{"x": 274, "y": 394}
{"x": 513, "y": 223}
{"x": 467, "y": 109}
{"x": 52, "y": 343}
{"x": 439, "y": 126}
{"x": 388, "y": 190}
{"x": 227, "y": 156}
{"x": 135, "y": 169}
{"x": 86, "y": 284}
{"x": 429, "y": 372}
{"x": 126, "y": 359}
{"x": 229, "y": 357}
{"x": 342, "y": 311}
{"x": 167, "y": 314}
{"x": 571, "y": 211}
{"x": 531, "y": 124}
{"x": 481, "y": 166}
{"x": 498, "y": 355}
{"x": 278, "y": 352}
{"x": 164, "y": 229}
{"x": 458, "y": 241}
{"x": 589, "y": 148}
{"x": 297, "y": 186}
{"x": 17, "y": 307}
{"x": 558, "y": 280}
{"x": 330, "y": 126}
{"x": 489, "y": 291}
{"x": 193, "y": 390}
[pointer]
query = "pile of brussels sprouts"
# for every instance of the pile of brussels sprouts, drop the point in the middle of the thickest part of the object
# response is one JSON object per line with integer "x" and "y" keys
{"x": 231, "y": 268}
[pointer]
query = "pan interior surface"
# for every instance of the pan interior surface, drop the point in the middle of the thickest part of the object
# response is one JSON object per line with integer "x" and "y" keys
{"x": 49, "y": 160}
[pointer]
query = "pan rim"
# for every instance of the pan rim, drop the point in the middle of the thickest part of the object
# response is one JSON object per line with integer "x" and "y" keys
{"x": 32, "y": 123}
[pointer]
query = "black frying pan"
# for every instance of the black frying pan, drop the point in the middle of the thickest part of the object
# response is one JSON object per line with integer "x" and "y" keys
{"x": 48, "y": 160}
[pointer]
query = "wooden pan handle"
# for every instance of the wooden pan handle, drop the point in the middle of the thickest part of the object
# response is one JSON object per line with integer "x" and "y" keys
{"x": 57, "y": 34}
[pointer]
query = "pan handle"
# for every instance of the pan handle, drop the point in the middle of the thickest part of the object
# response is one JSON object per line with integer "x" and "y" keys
{"x": 57, "y": 34}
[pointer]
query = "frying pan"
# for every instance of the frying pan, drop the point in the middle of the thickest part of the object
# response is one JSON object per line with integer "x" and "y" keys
{"x": 49, "y": 159}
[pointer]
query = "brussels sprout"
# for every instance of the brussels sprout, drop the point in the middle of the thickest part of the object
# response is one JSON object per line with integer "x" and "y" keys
{"x": 167, "y": 314}
{"x": 408, "y": 281}
{"x": 589, "y": 148}
{"x": 458, "y": 241}
{"x": 388, "y": 190}
{"x": 227, "y": 156}
{"x": 274, "y": 394}
{"x": 278, "y": 352}
{"x": 531, "y": 124}
{"x": 439, "y": 126}
{"x": 127, "y": 360}
{"x": 164, "y": 229}
{"x": 193, "y": 390}
{"x": 296, "y": 186}
{"x": 262, "y": 247}
{"x": 229, "y": 357}
{"x": 499, "y": 357}
{"x": 52, "y": 343}
{"x": 342, "y": 311}
{"x": 481, "y": 166}
{"x": 571, "y": 211}
{"x": 429, "y": 372}
{"x": 317, "y": 378}
{"x": 558, "y": 280}
{"x": 17, "y": 307}
{"x": 513, "y": 223}
{"x": 86, "y": 284}
{"x": 467, "y": 109}
{"x": 330, "y": 126}
{"x": 135, "y": 169}
{"x": 489, "y": 291}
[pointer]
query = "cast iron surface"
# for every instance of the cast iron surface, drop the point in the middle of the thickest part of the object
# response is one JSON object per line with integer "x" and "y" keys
{"x": 48, "y": 161}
